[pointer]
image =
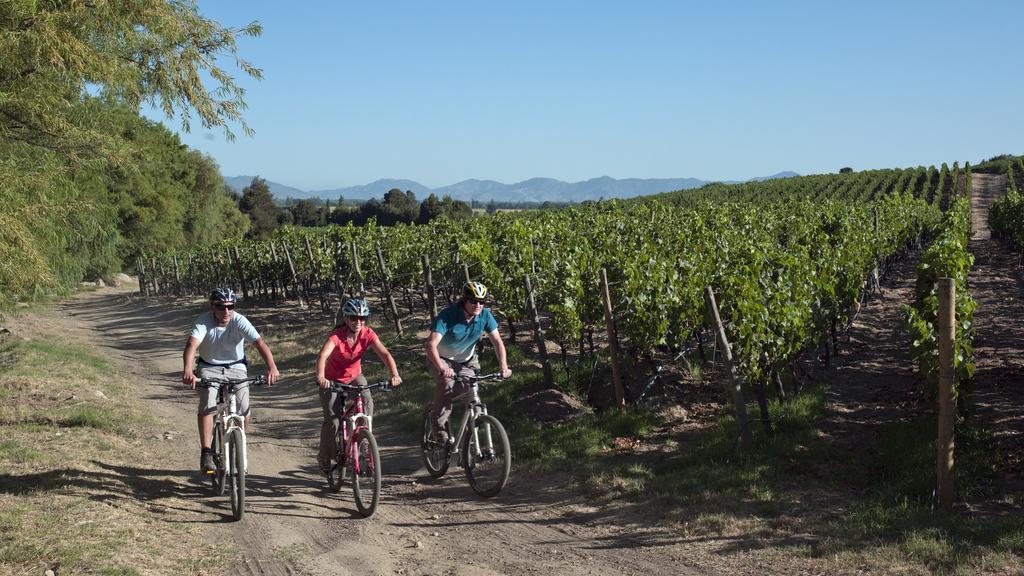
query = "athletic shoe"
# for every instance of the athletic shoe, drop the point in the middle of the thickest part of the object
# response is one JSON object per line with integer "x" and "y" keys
{"x": 206, "y": 462}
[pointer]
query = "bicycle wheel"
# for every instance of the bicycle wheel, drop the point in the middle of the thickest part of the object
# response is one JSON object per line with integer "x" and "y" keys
{"x": 217, "y": 478}
{"x": 366, "y": 482}
{"x": 336, "y": 477}
{"x": 487, "y": 456}
{"x": 435, "y": 454}
{"x": 236, "y": 473}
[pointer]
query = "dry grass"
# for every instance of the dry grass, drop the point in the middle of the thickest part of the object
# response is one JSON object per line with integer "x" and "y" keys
{"x": 76, "y": 492}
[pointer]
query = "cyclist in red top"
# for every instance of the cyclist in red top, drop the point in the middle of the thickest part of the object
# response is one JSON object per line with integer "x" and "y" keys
{"x": 340, "y": 359}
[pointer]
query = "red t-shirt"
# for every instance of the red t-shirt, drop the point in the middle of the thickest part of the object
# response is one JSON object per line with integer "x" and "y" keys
{"x": 344, "y": 362}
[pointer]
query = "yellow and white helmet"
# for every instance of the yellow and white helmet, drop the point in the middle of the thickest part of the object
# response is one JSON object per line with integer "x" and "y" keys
{"x": 474, "y": 291}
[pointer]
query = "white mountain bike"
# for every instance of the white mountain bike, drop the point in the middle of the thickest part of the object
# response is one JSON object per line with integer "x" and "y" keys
{"x": 480, "y": 446}
{"x": 229, "y": 451}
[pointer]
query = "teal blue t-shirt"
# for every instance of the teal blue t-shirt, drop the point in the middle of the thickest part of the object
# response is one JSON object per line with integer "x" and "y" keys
{"x": 458, "y": 335}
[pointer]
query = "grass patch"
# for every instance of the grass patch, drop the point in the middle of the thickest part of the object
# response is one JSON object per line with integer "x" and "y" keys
{"x": 69, "y": 454}
{"x": 98, "y": 417}
{"x": 870, "y": 506}
{"x": 59, "y": 355}
{"x": 13, "y": 450}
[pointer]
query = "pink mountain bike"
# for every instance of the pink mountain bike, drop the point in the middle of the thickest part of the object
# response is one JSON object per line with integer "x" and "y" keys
{"x": 357, "y": 454}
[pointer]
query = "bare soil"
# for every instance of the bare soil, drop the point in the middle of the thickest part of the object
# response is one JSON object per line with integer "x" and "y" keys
{"x": 875, "y": 383}
{"x": 997, "y": 284}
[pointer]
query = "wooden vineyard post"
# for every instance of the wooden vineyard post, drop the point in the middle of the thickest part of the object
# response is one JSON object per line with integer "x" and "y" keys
{"x": 276, "y": 268}
{"x": 355, "y": 266}
{"x": 454, "y": 279}
{"x": 239, "y": 272}
{"x": 260, "y": 282}
{"x": 155, "y": 274}
{"x": 140, "y": 268}
{"x": 165, "y": 278}
{"x": 538, "y": 332}
{"x": 428, "y": 283}
{"x": 733, "y": 381}
{"x": 780, "y": 389}
{"x": 465, "y": 271}
{"x": 177, "y": 275}
{"x": 386, "y": 285}
{"x": 315, "y": 274}
{"x": 533, "y": 258}
{"x": 214, "y": 269}
{"x": 190, "y": 274}
{"x": 613, "y": 344}
{"x": 947, "y": 377}
{"x": 876, "y": 282}
{"x": 294, "y": 277}
{"x": 338, "y": 284}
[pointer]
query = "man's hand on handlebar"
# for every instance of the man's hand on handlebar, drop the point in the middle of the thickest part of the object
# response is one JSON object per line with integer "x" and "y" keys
{"x": 189, "y": 379}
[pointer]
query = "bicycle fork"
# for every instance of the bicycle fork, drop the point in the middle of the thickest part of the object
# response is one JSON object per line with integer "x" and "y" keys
{"x": 228, "y": 459}
{"x": 476, "y": 433}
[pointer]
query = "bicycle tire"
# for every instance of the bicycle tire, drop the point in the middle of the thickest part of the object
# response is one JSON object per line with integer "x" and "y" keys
{"x": 236, "y": 473}
{"x": 366, "y": 483}
{"x": 436, "y": 457}
{"x": 217, "y": 478}
{"x": 488, "y": 473}
{"x": 336, "y": 477}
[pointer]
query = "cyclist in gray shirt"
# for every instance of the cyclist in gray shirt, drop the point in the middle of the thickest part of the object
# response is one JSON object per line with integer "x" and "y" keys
{"x": 219, "y": 336}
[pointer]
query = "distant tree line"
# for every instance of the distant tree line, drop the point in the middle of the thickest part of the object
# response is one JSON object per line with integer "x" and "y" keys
{"x": 266, "y": 214}
{"x": 257, "y": 202}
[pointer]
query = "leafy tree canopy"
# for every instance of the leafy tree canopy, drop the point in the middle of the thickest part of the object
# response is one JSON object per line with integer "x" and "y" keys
{"x": 53, "y": 52}
{"x": 84, "y": 182}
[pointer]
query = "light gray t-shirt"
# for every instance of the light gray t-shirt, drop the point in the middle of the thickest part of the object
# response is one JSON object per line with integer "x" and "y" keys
{"x": 223, "y": 345}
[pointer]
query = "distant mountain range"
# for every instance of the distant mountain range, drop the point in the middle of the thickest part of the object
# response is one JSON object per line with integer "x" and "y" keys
{"x": 532, "y": 190}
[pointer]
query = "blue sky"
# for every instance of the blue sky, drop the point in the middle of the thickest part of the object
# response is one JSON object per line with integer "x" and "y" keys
{"x": 440, "y": 92}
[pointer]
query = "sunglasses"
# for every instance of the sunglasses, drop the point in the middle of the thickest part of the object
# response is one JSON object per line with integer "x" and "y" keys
{"x": 224, "y": 306}
{"x": 357, "y": 318}
{"x": 476, "y": 302}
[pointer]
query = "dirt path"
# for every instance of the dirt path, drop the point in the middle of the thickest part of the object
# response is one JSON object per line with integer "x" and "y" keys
{"x": 874, "y": 383}
{"x": 293, "y": 526}
{"x": 997, "y": 284}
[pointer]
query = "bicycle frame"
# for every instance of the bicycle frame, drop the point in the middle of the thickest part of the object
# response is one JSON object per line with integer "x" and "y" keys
{"x": 349, "y": 428}
{"x": 229, "y": 419}
{"x": 485, "y": 457}
{"x": 473, "y": 408}
{"x": 353, "y": 421}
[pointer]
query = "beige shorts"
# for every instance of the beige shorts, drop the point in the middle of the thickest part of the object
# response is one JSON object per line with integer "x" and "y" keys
{"x": 208, "y": 396}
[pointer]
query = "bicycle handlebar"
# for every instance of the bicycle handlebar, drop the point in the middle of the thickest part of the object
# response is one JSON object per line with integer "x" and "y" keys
{"x": 492, "y": 377}
{"x": 231, "y": 382}
{"x": 343, "y": 387}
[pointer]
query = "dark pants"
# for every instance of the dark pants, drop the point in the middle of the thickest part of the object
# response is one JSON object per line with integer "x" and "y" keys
{"x": 447, "y": 388}
{"x": 333, "y": 404}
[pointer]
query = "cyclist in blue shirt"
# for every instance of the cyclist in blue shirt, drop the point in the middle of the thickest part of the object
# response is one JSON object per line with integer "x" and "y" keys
{"x": 451, "y": 349}
{"x": 218, "y": 337}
